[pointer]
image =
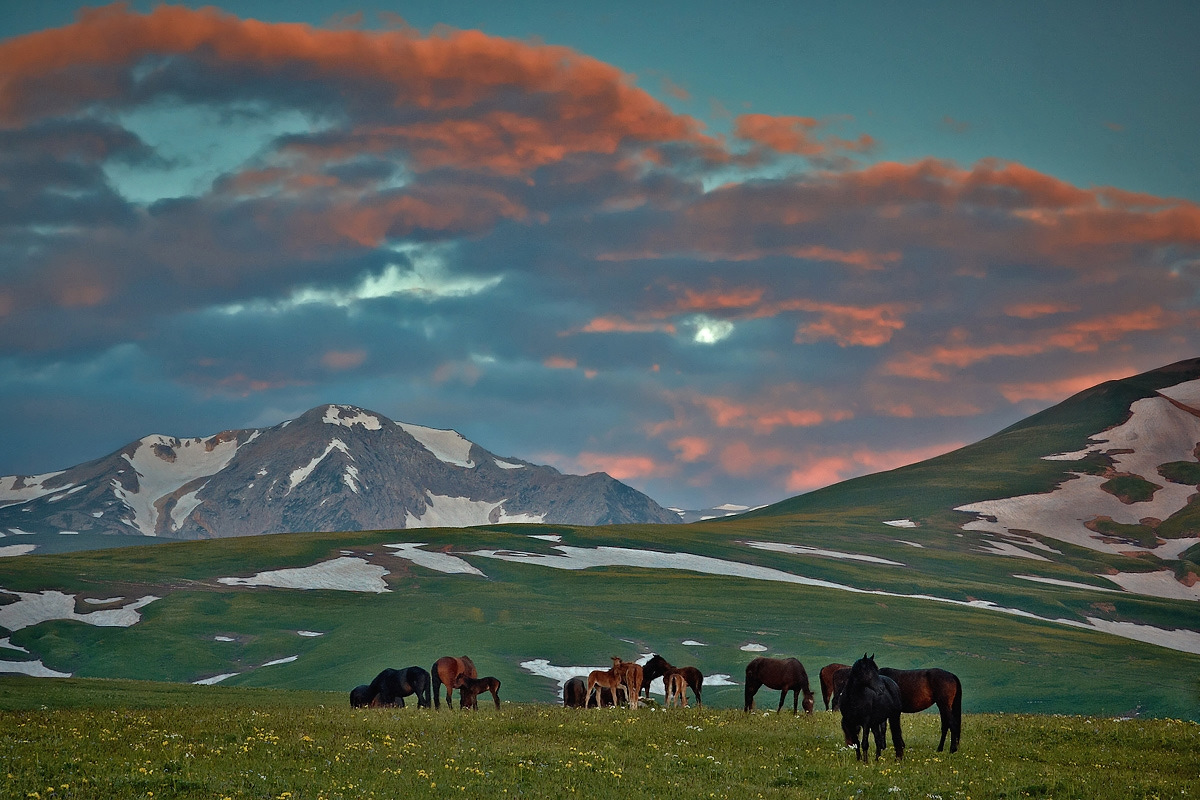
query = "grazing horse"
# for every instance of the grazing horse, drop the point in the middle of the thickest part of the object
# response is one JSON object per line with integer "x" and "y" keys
{"x": 469, "y": 690}
{"x": 575, "y": 694}
{"x": 391, "y": 686}
{"x": 921, "y": 688}
{"x": 870, "y": 702}
{"x": 659, "y": 667}
{"x": 359, "y": 697}
{"x": 785, "y": 674}
{"x": 676, "y": 686}
{"x": 631, "y": 675}
{"x": 601, "y": 679}
{"x": 446, "y": 671}
{"x": 833, "y": 680}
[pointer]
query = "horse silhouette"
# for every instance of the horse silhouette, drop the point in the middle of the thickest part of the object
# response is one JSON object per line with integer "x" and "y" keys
{"x": 833, "y": 680}
{"x": 869, "y": 703}
{"x": 359, "y": 697}
{"x": 922, "y": 688}
{"x": 659, "y": 667}
{"x": 446, "y": 671}
{"x": 785, "y": 674}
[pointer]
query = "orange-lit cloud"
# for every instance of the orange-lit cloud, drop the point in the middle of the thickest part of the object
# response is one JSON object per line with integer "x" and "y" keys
{"x": 343, "y": 359}
{"x": 796, "y": 135}
{"x": 1053, "y": 391}
{"x": 624, "y": 467}
{"x": 560, "y": 362}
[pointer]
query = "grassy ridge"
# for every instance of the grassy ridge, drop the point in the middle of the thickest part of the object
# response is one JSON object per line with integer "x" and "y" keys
{"x": 107, "y": 739}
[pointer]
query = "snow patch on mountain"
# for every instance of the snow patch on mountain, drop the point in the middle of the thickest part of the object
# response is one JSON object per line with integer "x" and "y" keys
{"x": 1157, "y": 432}
{"x": 16, "y": 489}
{"x": 348, "y": 416}
{"x": 299, "y": 474}
{"x": 448, "y": 446}
{"x": 439, "y": 562}
{"x": 32, "y": 608}
{"x": 163, "y": 466}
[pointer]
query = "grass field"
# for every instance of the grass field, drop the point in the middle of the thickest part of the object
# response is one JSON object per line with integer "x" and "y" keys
{"x": 118, "y": 739}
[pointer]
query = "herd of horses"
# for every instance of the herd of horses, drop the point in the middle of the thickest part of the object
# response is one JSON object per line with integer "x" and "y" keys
{"x": 870, "y": 698}
{"x": 391, "y": 686}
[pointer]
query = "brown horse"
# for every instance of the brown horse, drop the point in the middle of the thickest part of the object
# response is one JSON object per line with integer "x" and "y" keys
{"x": 446, "y": 671}
{"x": 575, "y": 694}
{"x": 833, "y": 680}
{"x": 922, "y": 688}
{"x": 659, "y": 667}
{"x": 631, "y": 675}
{"x": 785, "y": 674}
{"x": 469, "y": 690}
{"x": 676, "y": 686}
{"x": 600, "y": 679}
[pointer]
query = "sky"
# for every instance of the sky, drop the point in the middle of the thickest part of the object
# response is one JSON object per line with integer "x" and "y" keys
{"x": 727, "y": 254}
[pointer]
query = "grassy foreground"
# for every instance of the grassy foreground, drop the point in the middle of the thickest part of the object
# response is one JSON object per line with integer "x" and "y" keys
{"x": 109, "y": 739}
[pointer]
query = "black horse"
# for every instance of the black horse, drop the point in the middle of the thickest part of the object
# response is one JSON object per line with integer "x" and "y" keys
{"x": 391, "y": 686}
{"x": 869, "y": 703}
{"x": 360, "y": 696}
{"x": 659, "y": 667}
{"x": 921, "y": 688}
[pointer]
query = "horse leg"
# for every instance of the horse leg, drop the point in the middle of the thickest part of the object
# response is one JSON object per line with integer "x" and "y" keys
{"x": 944, "y": 712}
{"x": 752, "y": 687}
{"x": 880, "y": 732}
{"x": 496, "y": 697}
{"x": 782, "y": 697}
{"x": 897, "y": 737}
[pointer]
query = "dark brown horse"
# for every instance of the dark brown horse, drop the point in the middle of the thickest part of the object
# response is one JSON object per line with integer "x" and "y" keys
{"x": 785, "y": 674}
{"x": 833, "y": 680}
{"x": 870, "y": 703}
{"x": 659, "y": 667}
{"x": 446, "y": 671}
{"x": 469, "y": 690}
{"x": 359, "y": 697}
{"x": 922, "y": 688}
{"x": 391, "y": 686}
{"x": 575, "y": 694}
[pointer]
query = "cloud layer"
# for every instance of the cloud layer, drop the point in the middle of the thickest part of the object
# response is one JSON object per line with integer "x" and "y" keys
{"x": 208, "y": 222}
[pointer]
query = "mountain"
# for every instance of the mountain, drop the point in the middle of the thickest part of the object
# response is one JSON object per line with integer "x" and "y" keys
{"x": 334, "y": 468}
{"x": 1111, "y": 471}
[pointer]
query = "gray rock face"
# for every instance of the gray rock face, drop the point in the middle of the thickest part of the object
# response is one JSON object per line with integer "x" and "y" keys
{"x": 333, "y": 468}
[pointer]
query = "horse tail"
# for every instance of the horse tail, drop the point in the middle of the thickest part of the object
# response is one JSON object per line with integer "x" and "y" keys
{"x": 956, "y": 715}
{"x": 436, "y": 682}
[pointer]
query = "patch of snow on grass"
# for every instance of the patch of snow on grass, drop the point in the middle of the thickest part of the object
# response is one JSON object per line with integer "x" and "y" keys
{"x": 911, "y": 544}
{"x": 753, "y": 647}
{"x": 16, "y": 550}
{"x": 1068, "y": 584}
{"x": 439, "y": 562}
{"x": 279, "y": 661}
{"x": 309, "y": 634}
{"x": 68, "y": 533}
{"x": 342, "y": 574}
{"x": 1180, "y": 639}
{"x": 549, "y": 537}
{"x": 37, "y": 607}
{"x": 224, "y": 639}
{"x": 1156, "y": 432}
{"x": 731, "y": 507}
{"x": 449, "y": 446}
{"x": 214, "y": 679}
{"x": 333, "y": 416}
{"x": 19, "y": 532}
{"x": 804, "y": 550}
{"x": 900, "y": 523}
{"x": 1186, "y": 394}
{"x": 994, "y": 548}
{"x": 102, "y": 601}
{"x": 34, "y": 669}
{"x": 462, "y": 512}
{"x": 9, "y": 645}
{"x": 1160, "y": 583}
{"x": 157, "y": 477}
{"x": 693, "y": 643}
{"x": 299, "y": 474}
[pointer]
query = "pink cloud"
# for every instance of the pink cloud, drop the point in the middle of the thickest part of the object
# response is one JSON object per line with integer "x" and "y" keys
{"x": 343, "y": 359}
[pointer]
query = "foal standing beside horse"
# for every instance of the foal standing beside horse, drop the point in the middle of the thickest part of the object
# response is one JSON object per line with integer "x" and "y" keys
{"x": 446, "y": 670}
{"x": 659, "y": 667}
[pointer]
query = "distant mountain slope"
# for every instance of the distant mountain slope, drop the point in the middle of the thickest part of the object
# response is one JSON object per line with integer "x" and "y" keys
{"x": 334, "y": 468}
{"x": 1112, "y": 469}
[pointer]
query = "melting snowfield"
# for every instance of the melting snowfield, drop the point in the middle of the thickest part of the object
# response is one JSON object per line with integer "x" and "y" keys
{"x": 1157, "y": 432}
{"x": 462, "y": 512}
{"x": 343, "y": 574}
{"x": 36, "y": 607}
{"x": 803, "y": 550}
{"x": 440, "y": 562}
{"x": 16, "y": 550}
